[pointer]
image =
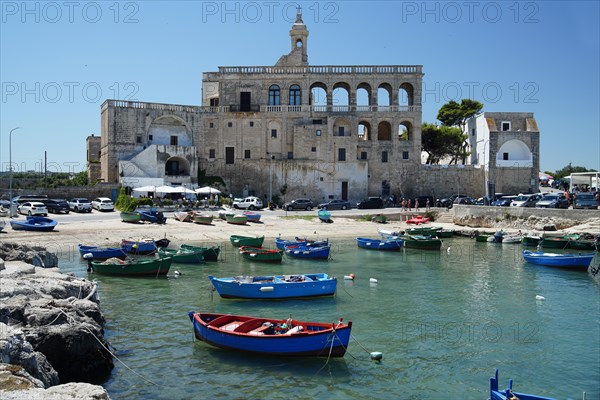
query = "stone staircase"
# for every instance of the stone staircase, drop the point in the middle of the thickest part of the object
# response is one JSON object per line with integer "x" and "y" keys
{"x": 444, "y": 216}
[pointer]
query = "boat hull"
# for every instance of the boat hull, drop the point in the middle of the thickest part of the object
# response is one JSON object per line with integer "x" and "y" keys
{"x": 142, "y": 248}
{"x": 316, "y": 340}
{"x": 236, "y": 219}
{"x": 261, "y": 255}
{"x": 309, "y": 252}
{"x": 209, "y": 253}
{"x": 203, "y": 219}
{"x": 239, "y": 241}
{"x": 376, "y": 244}
{"x": 130, "y": 217}
{"x": 152, "y": 267}
{"x": 182, "y": 256}
{"x": 275, "y": 287}
{"x": 32, "y": 223}
{"x": 102, "y": 253}
{"x": 421, "y": 243}
{"x": 558, "y": 260}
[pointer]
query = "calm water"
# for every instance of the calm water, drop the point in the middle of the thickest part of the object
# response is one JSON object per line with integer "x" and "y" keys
{"x": 443, "y": 320}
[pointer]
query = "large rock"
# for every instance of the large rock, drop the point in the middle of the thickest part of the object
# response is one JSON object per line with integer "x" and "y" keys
{"x": 34, "y": 255}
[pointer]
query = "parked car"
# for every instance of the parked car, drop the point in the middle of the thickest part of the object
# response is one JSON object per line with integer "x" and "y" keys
{"x": 553, "y": 200}
{"x": 299, "y": 204}
{"x": 57, "y": 206}
{"x": 80, "y": 205}
{"x": 464, "y": 200}
{"x": 448, "y": 201}
{"x": 504, "y": 201}
{"x": 103, "y": 204}
{"x": 585, "y": 200}
{"x": 525, "y": 200}
{"x": 335, "y": 204}
{"x": 371, "y": 202}
{"x": 248, "y": 203}
{"x": 32, "y": 208}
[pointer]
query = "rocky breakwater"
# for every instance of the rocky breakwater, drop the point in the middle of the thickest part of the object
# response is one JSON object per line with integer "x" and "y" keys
{"x": 51, "y": 333}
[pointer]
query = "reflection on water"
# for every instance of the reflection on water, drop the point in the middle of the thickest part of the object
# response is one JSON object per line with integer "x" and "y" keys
{"x": 443, "y": 321}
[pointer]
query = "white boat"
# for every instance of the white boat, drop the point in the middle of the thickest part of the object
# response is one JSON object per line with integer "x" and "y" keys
{"x": 2, "y": 224}
{"x": 390, "y": 233}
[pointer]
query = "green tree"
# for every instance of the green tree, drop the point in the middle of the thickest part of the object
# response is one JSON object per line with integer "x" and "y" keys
{"x": 441, "y": 141}
{"x": 456, "y": 115}
{"x": 568, "y": 170}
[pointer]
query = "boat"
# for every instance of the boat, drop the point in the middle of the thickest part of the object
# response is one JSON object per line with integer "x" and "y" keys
{"x": 482, "y": 238}
{"x": 33, "y": 223}
{"x": 558, "y": 259}
{"x": 275, "y": 286}
{"x": 584, "y": 244}
{"x": 183, "y": 256}
{"x": 101, "y": 253}
{"x": 252, "y": 216}
{"x": 203, "y": 219}
{"x": 164, "y": 242}
{"x": 142, "y": 246}
{"x": 262, "y": 255}
{"x": 324, "y": 216}
{"x": 301, "y": 250}
{"x": 142, "y": 267}
{"x": 209, "y": 253}
{"x": 512, "y": 238}
{"x": 421, "y": 242}
{"x": 508, "y": 393}
{"x": 254, "y": 241}
{"x": 390, "y": 233}
{"x": 531, "y": 240}
{"x": 237, "y": 219}
{"x": 557, "y": 242}
{"x": 130, "y": 216}
{"x": 276, "y": 337}
{"x": 223, "y": 214}
{"x": 377, "y": 244}
{"x": 496, "y": 237}
{"x": 379, "y": 218}
{"x": 423, "y": 230}
{"x": 153, "y": 216}
{"x": 281, "y": 243}
{"x": 419, "y": 219}
{"x": 184, "y": 216}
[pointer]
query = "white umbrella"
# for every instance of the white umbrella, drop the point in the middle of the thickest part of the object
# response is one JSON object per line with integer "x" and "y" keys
{"x": 166, "y": 189}
{"x": 207, "y": 190}
{"x": 145, "y": 189}
{"x": 182, "y": 189}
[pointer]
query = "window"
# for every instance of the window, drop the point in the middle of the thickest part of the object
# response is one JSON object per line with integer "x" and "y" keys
{"x": 246, "y": 153}
{"x": 363, "y": 155}
{"x": 290, "y": 155}
{"x": 229, "y": 155}
{"x": 405, "y": 155}
{"x": 251, "y": 123}
{"x": 211, "y": 125}
{"x": 150, "y": 137}
{"x": 384, "y": 156}
{"x": 295, "y": 99}
{"x": 473, "y": 132}
{"x": 211, "y": 153}
{"x": 214, "y": 102}
{"x": 273, "y": 133}
{"x": 505, "y": 126}
{"x": 341, "y": 154}
{"x": 274, "y": 95}
{"x": 313, "y": 149}
{"x": 173, "y": 140}
{"x": 505, "y": 156}
{"x": 318, "y": 132}
{"x": 341, "y": 131}
{"x": 230, "y": 124}
{"x": 317, "y": 122}
{"x": 138, "y": 139}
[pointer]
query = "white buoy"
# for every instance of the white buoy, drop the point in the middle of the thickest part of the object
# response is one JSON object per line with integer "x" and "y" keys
{"x": 448, "y": 250}
{"x": 350, "y": 277}
{"x": 538, "y": 297}
{"x": 373, "y": 280}
{"x": 376, "y": 355}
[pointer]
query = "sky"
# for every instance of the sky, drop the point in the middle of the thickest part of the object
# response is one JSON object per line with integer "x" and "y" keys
{"x": 60, "y": 60}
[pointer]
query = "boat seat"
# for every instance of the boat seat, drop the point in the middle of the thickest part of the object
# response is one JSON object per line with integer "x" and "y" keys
{"x": 250, "y": 325}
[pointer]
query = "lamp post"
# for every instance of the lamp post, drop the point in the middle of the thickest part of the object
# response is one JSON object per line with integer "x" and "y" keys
{"x": 271, "y": 157}
{"x": 10, "y": 170}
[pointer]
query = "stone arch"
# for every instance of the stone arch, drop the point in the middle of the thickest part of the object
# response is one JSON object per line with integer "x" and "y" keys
{"x": 514, "y": 153}
{"x": 406, "y": 94}
{"x": 341, "y": 127}
{"x": 384, "y": 131}
{"x": 363, "y": 96}
{"x": 405, "y": 131}
{"x": 384, "y": 95}
{"x": 177, "y": 166}
{"x": 341, "y": 94}
{"x": 364, "y": 130}
{"x": 162, "y": 130}
{"x": 318, "y": 96}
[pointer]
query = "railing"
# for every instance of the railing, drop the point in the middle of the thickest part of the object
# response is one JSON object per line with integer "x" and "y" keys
{"x": 149, "y": 106}
{"x": 326, "y": 69}
{"x": 314, "y": 108}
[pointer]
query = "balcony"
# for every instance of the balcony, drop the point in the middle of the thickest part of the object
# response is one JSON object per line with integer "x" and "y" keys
{"x": 315, "y": 109}
{"x": 244, "y": 108}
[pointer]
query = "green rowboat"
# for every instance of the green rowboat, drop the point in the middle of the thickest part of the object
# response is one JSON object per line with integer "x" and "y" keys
{"x": 127, "y": 216}
{"x": 202, "y": 219}
{"x": 142, "y": 267}
{"x": 237, "y": 219}
{"x": 209, "y": 253}
{"x": 183, "y": 256}
{"x": 421, "y": 242}
{"x": 529, "y": 240}
{"x": 239, "y": 241}
{"x": 261, "y": 255}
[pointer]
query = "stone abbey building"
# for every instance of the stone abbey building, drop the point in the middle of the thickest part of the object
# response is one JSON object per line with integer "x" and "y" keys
{"x": 307, "y": 131}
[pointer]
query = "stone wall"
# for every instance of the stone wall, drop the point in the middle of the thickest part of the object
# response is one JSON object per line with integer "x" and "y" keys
{"x": 523, "y": 212}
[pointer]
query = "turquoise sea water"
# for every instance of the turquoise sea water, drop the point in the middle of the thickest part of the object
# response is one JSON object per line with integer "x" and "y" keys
{"x": 443, "y": 321}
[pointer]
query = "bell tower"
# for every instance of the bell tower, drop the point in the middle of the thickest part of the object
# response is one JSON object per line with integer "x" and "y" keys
{"x": 298, "y": 55}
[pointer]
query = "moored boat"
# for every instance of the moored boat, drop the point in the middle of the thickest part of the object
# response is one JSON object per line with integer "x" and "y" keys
{"x": 377, "y": 244}
{"x": 209, "y": 253}
{"x": 238, "y": 240}
{"x": 567, "y": 260}
{"x": 261, "y": 255}
{"x": 142, "y": 246}
{"x": 275, "y": 286}
{"x": 390, "y": 233}
{"x": 183, "y": 256}
{"x": 101, "y": 253}
{"x": 203, "y": 219}
{"x": 281, "y": 243}
{"x": 267, "y": 336}
{"x": 237, "y": 219}
{"x": 421, "y": 242}
{"x": 324, "y": 215}
{"x": 423, "y": 230}
{"x": 557, "y": 242}
{"x": 584, "y": 244}
{"x": 130, "y": 216}
{"x": 153, "y": 216}
{"x": 531, "y": 240}
{"x": 379, "y": 218}
{"x": 183, "y": 216}
{"x": 33, "y": 223}
{"x": 301, "y": 250}
{"x": 149, "y": 267}
{"x": 252, "y": 216}
{"x": 508, "y": 393}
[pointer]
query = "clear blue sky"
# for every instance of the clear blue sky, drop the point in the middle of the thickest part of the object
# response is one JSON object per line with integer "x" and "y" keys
{"x": 60, "y": 60}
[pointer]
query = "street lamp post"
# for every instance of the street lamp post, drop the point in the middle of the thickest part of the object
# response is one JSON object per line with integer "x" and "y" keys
{"x": 10, "y": 171}
{"x": 271, "y": 157}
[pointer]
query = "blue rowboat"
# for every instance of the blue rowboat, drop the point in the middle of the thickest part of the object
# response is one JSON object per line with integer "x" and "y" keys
{"x": 376, "y": 244}
{"x": 33, "y": 223}
{"x": 324, "y": 215}
{"x": 252, "y": 216}
{"x": 102, "y": 253}
{"x": 508, "y": 393}
{"x": 300, "y": 250}
{"x": 138, "y": 247}
{"x": 281, "y": 243}
{"x": 275, "y": 286}
{"x": 275, "y": 337}
{"x": 153, "y": 216}
{"x": 567, "y": 260}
